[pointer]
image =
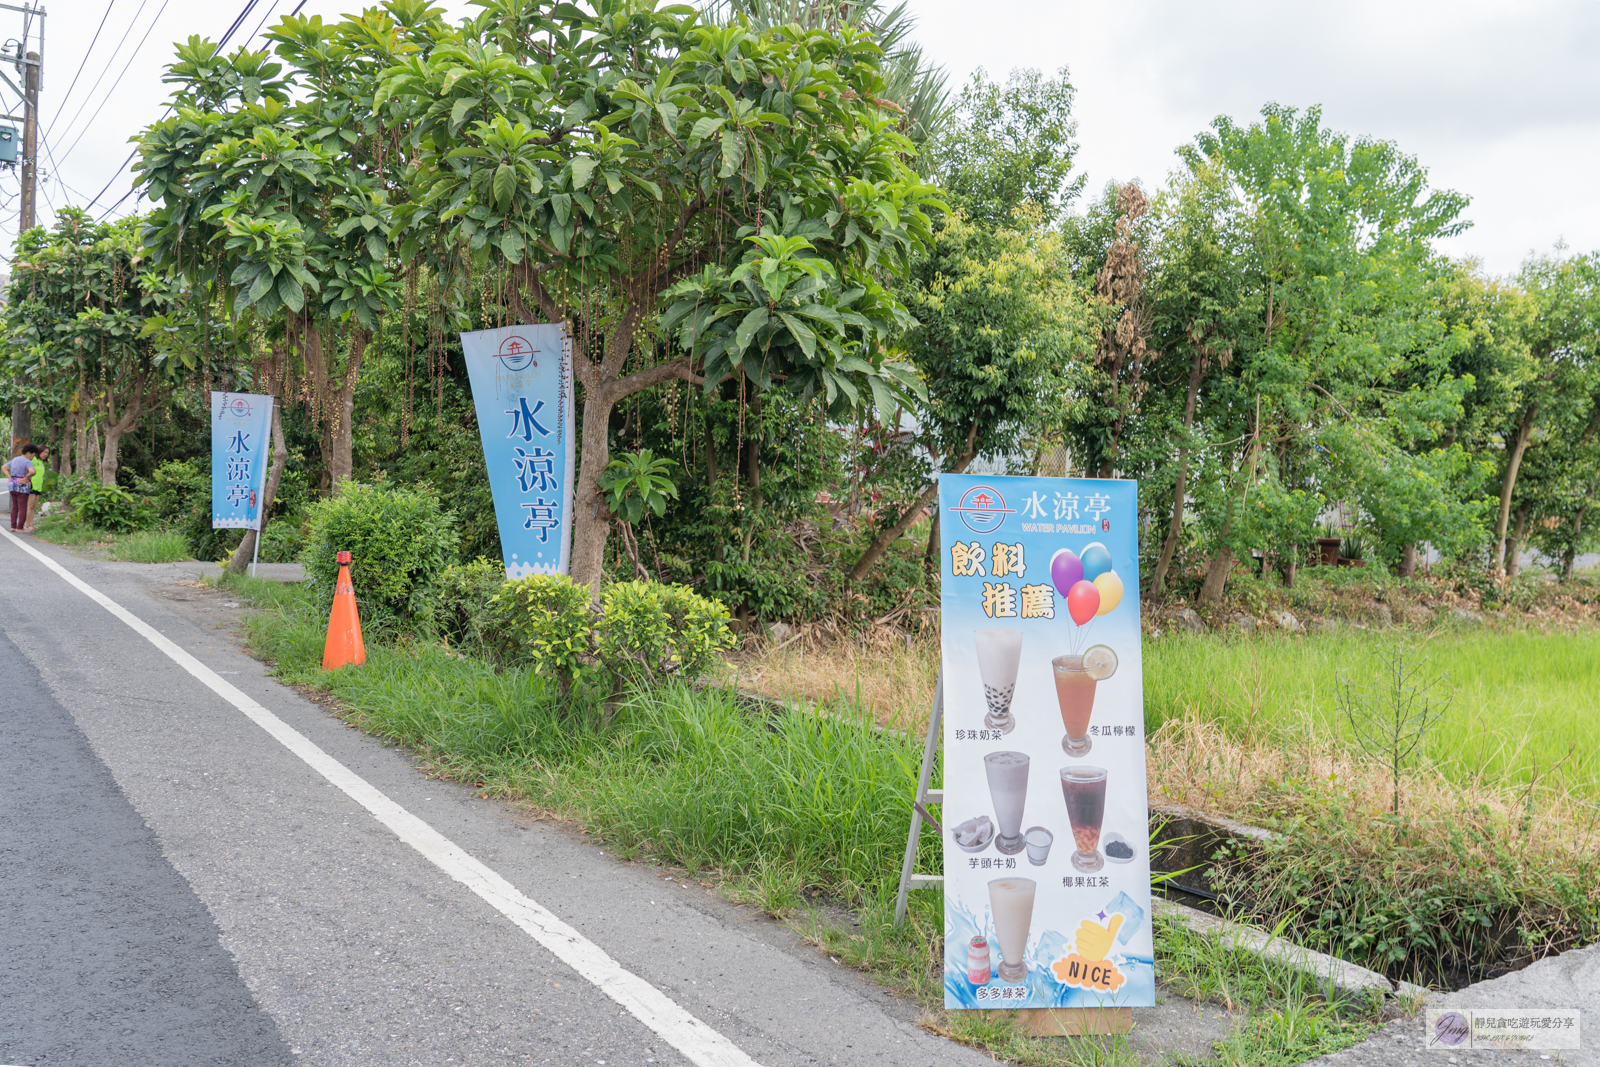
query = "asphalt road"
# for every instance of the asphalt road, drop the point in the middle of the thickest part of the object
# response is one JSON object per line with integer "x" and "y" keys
{"x": 176, "y": 886}
{"x": 106, "y": 953}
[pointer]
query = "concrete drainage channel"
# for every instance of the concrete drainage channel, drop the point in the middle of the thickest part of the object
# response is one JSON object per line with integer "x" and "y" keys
{"x": 1186, "y": 841}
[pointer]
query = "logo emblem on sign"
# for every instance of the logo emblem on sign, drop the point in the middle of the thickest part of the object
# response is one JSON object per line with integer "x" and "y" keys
{"x": 1451, "y": 1029}
{"x": 238, "y": 407}
{"x": 516, "y": 353}
{"x": 982, "y": 509}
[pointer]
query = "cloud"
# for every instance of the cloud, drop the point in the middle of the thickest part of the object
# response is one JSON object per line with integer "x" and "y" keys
{"x": 1498, "y": 100}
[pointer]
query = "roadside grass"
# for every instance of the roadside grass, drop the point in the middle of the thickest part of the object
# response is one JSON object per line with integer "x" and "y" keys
{"x": 799, "y": 814}
{"x": 59, "y": 529}
{"x": 141, "y": 546}
{"x": 151, "y": 546}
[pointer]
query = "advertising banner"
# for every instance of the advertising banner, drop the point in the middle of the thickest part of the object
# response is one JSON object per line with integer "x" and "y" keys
{"x": 1046, "y": 852}
{"x": 241, "y": 423}
{"x": 522, "y": 392}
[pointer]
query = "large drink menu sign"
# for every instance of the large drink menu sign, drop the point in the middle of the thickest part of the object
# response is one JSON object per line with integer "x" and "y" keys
{"x": 1046, "y": 858}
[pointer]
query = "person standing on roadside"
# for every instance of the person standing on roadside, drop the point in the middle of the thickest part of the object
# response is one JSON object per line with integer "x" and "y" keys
{"x": 40, "y": 484}
{"x": 20, "y": 472}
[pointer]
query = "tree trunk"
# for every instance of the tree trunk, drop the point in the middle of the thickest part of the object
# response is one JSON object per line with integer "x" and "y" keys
{"x": 591, "y": 522}
{"x": 1408, "y": 560}
{"x": 930, "y": 555}
{"x": 1508, "y": 485}
{"x": 80, "y": 449}
{"x": 1514, "y": 543}
{"x": 280, "y": 456}
{"x": 1169, "y": 547}
{"x": 117, "y": 426}
{"x": 880, "y": 544}
{"x": 1288, "y": 565}
{"x": 1217, "y": 576}
{"x": 90, "y": 463}
{"x": 1222, "y": 563}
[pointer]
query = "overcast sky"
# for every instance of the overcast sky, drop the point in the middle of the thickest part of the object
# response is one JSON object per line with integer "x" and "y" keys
{"x": 1500, "y": 101}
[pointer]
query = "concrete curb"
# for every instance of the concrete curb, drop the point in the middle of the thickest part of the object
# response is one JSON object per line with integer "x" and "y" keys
{"x": 1348, "y": 978}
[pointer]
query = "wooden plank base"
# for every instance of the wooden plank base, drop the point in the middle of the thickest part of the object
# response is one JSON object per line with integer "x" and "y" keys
{"x": 1071, "y": 1022}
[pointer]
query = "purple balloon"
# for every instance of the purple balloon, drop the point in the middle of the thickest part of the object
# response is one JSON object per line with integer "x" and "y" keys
{"x": 1066, "y": 570}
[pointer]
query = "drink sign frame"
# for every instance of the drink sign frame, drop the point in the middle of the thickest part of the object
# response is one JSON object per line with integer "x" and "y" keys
{"x": 1030, "y": 878}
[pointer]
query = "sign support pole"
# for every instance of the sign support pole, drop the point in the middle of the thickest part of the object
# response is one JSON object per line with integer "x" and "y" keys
{"x": 909, "y": 880}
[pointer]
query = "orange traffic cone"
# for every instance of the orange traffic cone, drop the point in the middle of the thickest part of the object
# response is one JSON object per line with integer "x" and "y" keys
{"x": 344, "y": 623}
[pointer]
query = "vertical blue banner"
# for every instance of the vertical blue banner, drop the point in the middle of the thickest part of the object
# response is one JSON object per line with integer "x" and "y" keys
{"x": 1046, "y": 849}
{"x": 240, "y": 426}
{"x": 522, "y": 393}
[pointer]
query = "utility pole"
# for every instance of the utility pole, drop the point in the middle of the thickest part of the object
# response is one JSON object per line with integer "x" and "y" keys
{"x": 30, "y": 65}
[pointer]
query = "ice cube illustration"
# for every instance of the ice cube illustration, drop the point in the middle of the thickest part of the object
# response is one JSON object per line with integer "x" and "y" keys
{"x": 1132, "y": 916}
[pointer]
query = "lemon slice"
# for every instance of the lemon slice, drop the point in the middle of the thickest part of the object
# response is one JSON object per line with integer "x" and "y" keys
{"x": 1100, "y": 662}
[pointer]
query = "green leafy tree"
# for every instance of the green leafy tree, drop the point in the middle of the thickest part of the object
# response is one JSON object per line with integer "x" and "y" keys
{"x": 79, "y": 315}
{"x": 1332, "y": 238}
{"x": 271, "y": 180}
{"x": 584, "y": 163}
{"x": 1554, "y": 390}
{"x": 1001, "y": 324}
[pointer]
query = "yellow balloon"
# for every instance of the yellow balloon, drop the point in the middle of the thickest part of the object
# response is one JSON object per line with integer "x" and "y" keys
{"x": 1110, "y": 587}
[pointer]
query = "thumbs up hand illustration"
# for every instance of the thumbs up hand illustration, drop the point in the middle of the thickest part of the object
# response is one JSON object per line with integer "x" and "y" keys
{"x": 1094, "y": 940}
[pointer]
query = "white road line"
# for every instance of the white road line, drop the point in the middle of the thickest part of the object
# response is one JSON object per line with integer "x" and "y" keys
{"x": 697, "y": 1041}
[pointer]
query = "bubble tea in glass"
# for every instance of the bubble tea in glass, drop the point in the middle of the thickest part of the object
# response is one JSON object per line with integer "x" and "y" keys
{"x": 1075, "y": 693}
{"x": 998, "y": 654}
{"x": 1084, "y": 790}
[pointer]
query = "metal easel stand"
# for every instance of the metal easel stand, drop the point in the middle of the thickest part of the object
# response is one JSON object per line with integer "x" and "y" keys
{"x": 919, "y": 811}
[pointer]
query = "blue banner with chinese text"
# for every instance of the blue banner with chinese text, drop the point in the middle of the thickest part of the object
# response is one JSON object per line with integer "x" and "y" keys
{"x": 522, "y": 392}
{"x": 240, "y": 426}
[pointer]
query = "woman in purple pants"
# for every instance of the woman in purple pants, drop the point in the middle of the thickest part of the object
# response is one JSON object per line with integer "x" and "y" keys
{"x": 20, "y": 472}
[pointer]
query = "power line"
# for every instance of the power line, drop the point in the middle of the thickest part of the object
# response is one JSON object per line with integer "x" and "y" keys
{"x": 112, "y": 59}
{"x": 112, "y": 91}
{"x": 257, "y": 31}
{"x": 81, "y": 64}
{"x": 220, "y": 45}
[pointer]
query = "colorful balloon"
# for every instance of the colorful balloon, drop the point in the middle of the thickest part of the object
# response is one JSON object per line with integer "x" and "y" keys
{"x": 1096, "y": 560}
{"x": 1083, "y": 600}
{"x": 1110, "y": 587}
{"x": 1066, "y": 570}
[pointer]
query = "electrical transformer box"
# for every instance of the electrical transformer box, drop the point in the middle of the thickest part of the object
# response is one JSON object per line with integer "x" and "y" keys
{"x": 8, "y": 144}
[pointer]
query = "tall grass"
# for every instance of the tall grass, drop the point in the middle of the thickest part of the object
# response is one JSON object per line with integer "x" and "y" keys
{"x": 151, "y": 546}
{"x": 1526, "y": 705}
{"x": 687, "y": 775}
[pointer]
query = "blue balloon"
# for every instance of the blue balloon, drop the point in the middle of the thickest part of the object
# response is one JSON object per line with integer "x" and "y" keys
{"x": 1096, "y": 561}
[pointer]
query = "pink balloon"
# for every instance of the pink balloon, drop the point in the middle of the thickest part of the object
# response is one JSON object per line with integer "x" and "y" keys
{"x": 1066, "y": 570}
{"x": 1083, "y": 600}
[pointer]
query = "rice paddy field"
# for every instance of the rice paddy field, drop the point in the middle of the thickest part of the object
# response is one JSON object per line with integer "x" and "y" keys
{"x": 1523, "y": 705}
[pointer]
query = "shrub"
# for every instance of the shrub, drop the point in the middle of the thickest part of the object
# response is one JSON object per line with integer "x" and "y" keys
{"x": 285, "y": 539}
{"x": 464, "y": 610}
{"x": 398, "y": 539}
{"x": 649, "y": 632}
{"x": 645, "y": 633}
{"x": 547, "y": 616}
{"x": 112, "y": 508}
{"x": 180, "y": 492}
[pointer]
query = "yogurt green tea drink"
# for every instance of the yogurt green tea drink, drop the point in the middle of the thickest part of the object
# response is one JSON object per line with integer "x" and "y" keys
{"x": 1011, "y": 902}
